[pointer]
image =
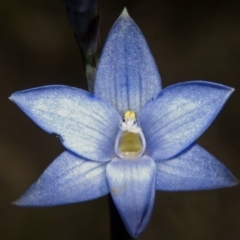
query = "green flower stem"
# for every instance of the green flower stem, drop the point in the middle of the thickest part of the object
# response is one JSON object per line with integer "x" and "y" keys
{"x": 85, "y": 25}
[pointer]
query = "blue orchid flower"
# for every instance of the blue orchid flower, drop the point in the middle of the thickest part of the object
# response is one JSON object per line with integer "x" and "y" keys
{"x": 128, "y": 139}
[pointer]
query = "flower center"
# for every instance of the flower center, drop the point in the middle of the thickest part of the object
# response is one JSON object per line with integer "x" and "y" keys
{"x": 130, "y": 142}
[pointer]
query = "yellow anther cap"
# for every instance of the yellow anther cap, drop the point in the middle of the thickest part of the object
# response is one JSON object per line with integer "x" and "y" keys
{"x": 129, "y": 115}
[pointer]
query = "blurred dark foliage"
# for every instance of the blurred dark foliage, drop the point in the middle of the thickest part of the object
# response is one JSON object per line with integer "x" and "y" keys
{"x": 189, "y": 40}
{"x": 85, "y": 22}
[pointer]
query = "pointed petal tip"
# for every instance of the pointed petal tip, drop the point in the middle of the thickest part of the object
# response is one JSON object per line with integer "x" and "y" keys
{"x": 132, "y": 186}
{"x": 18, "y": 97}
{"x": 230, "y": 90}
{"x": 120, "y": 81}
{"x": 18, "y": 203}
{"x": 235, "y": 182}
{"x": 193, "y": 170}
{"x": 232, "y": 181}
{"x": 12, "y": 97}
{"x": 125, "y": 12}
{"x": 21, "y": 202}
{"x": 198, "y": 101}
{"x": 14, "y": 203}
{"x": 50, "y": 107}
{"x": 134, "y": 235}
{"x": 69, "y": 179}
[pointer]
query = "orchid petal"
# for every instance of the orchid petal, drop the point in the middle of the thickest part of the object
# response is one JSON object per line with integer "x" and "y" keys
{"x": 127, "y": 76}
{"x": 69, "y": 179}
{"x": 193, "y": 169}
{"x": 179, "y": 115}
{"x": 87, "y": 125}
{"x": 132, "y": 186}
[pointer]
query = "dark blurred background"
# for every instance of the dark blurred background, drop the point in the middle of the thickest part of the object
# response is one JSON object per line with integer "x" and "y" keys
{"x": 190, "y": 40}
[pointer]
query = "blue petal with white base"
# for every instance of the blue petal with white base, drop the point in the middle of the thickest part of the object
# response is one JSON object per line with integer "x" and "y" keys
{"x": 193, "y": 169}
{"x": 69, "y": 179}
{"x": 87, "y": 125}
{"x": 132, "y": 186}
{"x": 127, "y": 76}
{"x": 179, "y": 115}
